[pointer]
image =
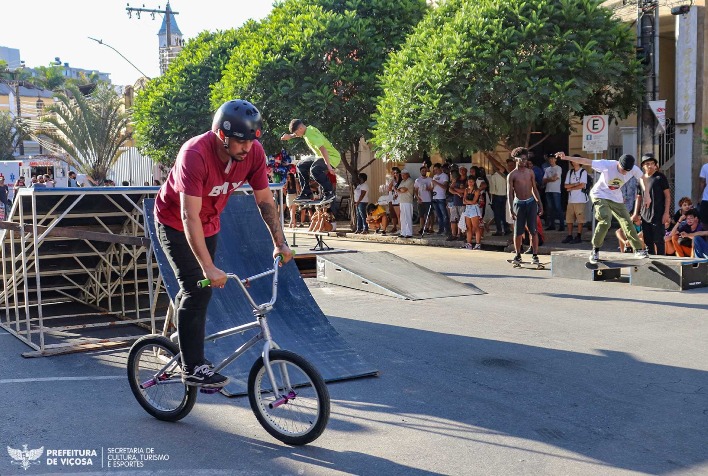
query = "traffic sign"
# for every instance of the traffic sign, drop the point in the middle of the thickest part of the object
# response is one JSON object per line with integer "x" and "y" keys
{"x": 595, "y": 133}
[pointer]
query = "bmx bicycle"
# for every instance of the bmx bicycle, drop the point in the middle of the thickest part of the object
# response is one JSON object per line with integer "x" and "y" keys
{"x": 287, "y": 394}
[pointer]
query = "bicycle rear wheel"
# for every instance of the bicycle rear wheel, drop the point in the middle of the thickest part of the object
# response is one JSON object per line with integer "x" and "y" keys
{"x": 302, "y": 412}
{"x": 165, "y": 401}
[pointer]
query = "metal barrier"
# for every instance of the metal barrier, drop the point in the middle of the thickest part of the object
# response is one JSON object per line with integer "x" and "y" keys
{"x": 75, "y": 264}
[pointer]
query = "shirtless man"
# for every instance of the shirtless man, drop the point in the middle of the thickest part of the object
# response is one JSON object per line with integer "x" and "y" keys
{"x": 524, "y": 203}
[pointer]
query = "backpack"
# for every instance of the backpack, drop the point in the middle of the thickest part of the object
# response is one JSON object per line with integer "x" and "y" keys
{"x": 588, "y": 184}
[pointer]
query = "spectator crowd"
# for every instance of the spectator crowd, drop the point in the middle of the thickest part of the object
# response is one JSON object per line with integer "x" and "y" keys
{"x": 460, "y": 202}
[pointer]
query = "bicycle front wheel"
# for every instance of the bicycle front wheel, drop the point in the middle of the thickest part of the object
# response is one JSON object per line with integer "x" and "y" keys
{"x": 163, "y": 395}
{"x": 300, "y": 415}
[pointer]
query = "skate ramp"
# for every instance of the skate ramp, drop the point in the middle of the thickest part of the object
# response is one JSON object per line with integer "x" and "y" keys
{"x": 296, "y": 322}
{"x": 385, "y": 273}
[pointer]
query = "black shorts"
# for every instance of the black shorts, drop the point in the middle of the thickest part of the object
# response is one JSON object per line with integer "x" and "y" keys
{"x": 526, "y": 212}
{"x": 423, "y": 209}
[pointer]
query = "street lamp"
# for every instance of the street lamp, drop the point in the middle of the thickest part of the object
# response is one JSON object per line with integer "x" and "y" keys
{"x": 101, "y": 42}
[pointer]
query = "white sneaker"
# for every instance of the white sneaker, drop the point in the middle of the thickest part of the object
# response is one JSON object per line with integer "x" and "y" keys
{"x": 334, "y": 226}
{"x": 594, "y": 256}
{"x": 639, "y": 254}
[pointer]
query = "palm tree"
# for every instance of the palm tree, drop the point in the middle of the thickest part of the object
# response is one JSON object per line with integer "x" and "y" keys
{"x": 91, "y": 129}
{"x": 12, "y": 131}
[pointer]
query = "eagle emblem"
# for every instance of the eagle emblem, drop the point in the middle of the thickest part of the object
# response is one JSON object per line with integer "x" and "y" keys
{"x": 24, "y": 457}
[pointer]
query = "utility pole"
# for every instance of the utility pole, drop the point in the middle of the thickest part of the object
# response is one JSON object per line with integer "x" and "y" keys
{"x": 168, "y": 12}
{"x": 16, "y": 83}
{"x": 648, "y": 51}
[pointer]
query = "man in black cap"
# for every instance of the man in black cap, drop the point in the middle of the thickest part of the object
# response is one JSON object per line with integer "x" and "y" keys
{"x": 655, "y": 217}
{"x": 607, "y": 199}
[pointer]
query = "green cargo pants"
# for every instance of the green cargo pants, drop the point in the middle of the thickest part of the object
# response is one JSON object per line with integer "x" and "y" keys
{"x": 604, "y": 211}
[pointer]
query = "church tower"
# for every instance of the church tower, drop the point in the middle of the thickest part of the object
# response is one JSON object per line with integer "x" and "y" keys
{"x": 170, "y": 37}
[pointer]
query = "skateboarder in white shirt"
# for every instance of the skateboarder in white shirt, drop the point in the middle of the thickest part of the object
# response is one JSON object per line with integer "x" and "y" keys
{"x": 607, "y": 199}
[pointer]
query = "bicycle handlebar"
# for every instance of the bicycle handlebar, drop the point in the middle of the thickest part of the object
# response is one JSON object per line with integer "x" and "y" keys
{"x": 206, "y": 282}
{"x": 246, "y": 281}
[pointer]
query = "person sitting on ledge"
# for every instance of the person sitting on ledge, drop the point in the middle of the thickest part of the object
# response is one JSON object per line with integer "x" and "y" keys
{"x": 376, "y": 218}
{"x": 321, "y": 220}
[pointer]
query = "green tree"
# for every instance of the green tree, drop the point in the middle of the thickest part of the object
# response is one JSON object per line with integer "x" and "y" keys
{"x": 12, "y": 131}
{"x": 481, "y": 73}
{"x": 91, "y": 129}
{"x": 319, "y": 60}
{"x": 176, "y": 106}
{"x": 50, "y": 77}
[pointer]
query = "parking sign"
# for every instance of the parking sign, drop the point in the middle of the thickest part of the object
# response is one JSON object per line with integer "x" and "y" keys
{"x": 595, "y": 133}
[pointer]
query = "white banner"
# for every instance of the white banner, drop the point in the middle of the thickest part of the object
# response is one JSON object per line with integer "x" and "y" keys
{"x": 659, "y": 110}
{"x": 686, "y": 58}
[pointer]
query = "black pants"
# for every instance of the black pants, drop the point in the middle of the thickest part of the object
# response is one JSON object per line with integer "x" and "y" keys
{"x": 499, "y": 209}
{"x": 317, "y": 168}
{"x": 703, "y": 212}
{"x": 654, "y": 236}
{"x": 191, "y": 301}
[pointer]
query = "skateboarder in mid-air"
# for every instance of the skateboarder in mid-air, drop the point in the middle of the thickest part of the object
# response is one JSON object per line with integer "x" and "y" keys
{"x": 607, "y": 199}
{"x": 326, "y": 160}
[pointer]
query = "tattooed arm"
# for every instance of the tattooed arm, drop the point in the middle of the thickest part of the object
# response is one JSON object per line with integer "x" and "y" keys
{"x": 266, "y": 205}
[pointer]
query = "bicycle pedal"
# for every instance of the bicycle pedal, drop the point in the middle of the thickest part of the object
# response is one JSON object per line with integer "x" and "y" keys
{"x": 209, "y": 391}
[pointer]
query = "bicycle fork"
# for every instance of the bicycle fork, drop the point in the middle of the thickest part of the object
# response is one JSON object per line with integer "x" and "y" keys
{"x": 280, "y": 398}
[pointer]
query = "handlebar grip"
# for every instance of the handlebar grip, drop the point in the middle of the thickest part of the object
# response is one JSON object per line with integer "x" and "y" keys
{"x": 204, "y": 283}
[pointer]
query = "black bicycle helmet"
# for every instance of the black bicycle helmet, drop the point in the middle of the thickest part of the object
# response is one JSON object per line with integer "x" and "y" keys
{"x": 238, "y": 119}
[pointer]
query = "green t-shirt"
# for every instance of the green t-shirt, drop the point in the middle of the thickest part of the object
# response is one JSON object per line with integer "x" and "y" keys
{"x": 314, "y": 139}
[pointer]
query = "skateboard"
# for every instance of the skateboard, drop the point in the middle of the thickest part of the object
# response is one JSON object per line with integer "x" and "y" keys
{"x": 620, "y": 263}
{"x": 314, "y": 203}
{"x": 528, "y": 264}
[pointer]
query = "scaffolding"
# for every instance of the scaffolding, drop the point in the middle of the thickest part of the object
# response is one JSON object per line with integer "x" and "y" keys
{"x": 77, "y": 268}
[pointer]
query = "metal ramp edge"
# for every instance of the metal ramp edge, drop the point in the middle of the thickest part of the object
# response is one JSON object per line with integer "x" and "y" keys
{"x": 388, "y": 274}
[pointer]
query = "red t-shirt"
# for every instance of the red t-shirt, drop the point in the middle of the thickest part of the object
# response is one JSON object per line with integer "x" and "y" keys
{"x": 199, "y": 172}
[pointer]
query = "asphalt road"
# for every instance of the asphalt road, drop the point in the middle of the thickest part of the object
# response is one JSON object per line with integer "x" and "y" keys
{"x": 538, "y": 376}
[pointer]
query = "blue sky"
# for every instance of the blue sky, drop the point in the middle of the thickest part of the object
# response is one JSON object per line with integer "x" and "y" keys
{"x": 45, "y": 29}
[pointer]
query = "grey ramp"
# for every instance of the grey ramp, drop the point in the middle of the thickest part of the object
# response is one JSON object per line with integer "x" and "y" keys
{"x": 296, "y": 322}
{"x": 384, "y": 273}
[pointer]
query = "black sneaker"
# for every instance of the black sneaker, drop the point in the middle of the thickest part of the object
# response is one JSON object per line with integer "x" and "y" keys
{"x": 535, "y": 260}
{"x": 303, "y": 198}
{"x": 568, "y": 239}
{"x": 203, "y": 375}
{"x": 577, "y": 239}
{"x": 327, "y": 197}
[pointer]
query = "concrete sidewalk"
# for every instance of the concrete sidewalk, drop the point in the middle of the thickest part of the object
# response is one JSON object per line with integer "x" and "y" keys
{"x": 553, "y": 240}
